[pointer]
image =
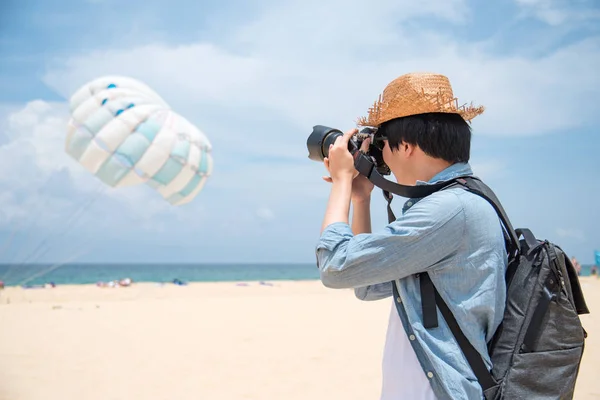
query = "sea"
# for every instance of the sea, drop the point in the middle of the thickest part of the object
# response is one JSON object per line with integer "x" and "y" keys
{"x": 31, "y": 275}
{"x": 80, "y": 274}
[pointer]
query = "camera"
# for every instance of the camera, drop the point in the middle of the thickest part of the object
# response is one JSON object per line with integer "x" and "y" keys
{"x": 322, "y": 136}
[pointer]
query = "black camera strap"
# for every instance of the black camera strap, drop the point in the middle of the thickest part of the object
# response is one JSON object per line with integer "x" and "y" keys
{"x": 365, "y": 166}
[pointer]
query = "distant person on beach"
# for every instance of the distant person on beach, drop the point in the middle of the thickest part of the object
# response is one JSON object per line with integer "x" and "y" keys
{"x": 576, "y": 265}
{"x": 125, "y": 282}
{"x": 453, "y": 235}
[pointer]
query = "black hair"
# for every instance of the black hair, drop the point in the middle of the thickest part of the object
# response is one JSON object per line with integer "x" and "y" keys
{"x": 439, "y": 135}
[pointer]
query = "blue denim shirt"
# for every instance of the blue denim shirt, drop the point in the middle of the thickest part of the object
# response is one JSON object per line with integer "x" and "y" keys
{"x": 455, "y": 236}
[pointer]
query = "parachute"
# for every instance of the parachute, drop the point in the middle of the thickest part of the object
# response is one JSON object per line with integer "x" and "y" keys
{"x": 125, "y": 134}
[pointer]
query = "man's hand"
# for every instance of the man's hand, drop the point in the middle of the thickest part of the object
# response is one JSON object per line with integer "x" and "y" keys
{"x": 342, "y": 171}
{"x": 341, "y": 162}
{"x": 361, "y": 186}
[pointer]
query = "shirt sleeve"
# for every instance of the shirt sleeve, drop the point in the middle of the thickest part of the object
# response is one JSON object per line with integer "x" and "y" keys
{"x": 417, "y": 241}
{"x": 374, "y": 292}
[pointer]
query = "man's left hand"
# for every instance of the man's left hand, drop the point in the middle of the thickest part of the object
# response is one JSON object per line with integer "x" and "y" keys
{"x": 341, "y": 162}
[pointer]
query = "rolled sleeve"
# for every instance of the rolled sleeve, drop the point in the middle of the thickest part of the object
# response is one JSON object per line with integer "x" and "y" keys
{"x": 333, "y": 235}
{"x": 374, "y": 292}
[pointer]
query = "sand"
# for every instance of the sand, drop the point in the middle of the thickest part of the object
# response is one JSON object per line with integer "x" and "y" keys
{"x": 292, "y": 340}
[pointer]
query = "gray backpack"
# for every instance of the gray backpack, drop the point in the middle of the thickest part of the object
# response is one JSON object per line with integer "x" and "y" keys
{"x": 537, "y": 349}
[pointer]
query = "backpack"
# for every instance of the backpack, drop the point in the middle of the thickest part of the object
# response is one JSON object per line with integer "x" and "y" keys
{"x": 537, "y": 349}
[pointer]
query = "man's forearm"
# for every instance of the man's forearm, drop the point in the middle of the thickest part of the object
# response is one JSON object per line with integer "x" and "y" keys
{"x": 338, "y": 206}
{"x": 361, "y": 216}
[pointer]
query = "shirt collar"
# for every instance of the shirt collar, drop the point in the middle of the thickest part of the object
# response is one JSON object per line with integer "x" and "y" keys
{"x": 453, "y": 171}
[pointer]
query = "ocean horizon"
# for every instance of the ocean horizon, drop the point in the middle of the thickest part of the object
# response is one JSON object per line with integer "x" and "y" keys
{"x": 92, "y": 273}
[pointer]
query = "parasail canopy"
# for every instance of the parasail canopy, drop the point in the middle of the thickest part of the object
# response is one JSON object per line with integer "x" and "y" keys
{"x": 125, "y": 134}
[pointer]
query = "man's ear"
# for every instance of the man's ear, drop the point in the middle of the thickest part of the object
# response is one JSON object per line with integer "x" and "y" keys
{"x": 407, "y": 148}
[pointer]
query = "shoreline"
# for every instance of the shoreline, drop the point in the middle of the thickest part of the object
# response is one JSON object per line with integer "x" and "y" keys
{"x": 53, "y": 286}
{"x": 157, "y": 282}
{"x": 201, "y": 290}
{"x": 142, "y": 291}
{"x": 581, "y": 278}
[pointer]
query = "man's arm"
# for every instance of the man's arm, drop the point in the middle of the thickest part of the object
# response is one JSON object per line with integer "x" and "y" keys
{"x": 361, "y": 216}
{"x": 361, "y": 223}
{"x": 414, "y": 243}
{"x": 338, "y": 206}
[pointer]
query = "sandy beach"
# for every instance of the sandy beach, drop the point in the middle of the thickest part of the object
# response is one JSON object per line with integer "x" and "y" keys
{"x": 207, "y": 341}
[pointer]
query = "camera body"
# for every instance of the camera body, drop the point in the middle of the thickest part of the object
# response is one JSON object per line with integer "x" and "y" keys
{"x": 322, "y": 136}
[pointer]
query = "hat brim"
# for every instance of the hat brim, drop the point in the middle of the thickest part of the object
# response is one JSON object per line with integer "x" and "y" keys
{"x": 415, "y": 103}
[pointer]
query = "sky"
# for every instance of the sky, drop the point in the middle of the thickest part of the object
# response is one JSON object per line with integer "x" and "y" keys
{"x": 255, "y": 77}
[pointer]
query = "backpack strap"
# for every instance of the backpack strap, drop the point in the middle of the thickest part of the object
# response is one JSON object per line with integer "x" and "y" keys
{"x": 430, "y": 297}
{"x": 483, "y": 375}
{"x": 429, "y": 293}
{"x": 476, "y": 186}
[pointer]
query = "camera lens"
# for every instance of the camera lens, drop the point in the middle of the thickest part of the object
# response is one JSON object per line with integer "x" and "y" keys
{"x": 319, "y": 140}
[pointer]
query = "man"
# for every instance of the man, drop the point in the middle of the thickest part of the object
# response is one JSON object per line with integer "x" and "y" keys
{"x": 576, "y": 265}
{"x": 453, "y": 235}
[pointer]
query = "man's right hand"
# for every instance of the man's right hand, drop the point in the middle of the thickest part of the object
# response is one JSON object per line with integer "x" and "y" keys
{"x": 361, "y": 185}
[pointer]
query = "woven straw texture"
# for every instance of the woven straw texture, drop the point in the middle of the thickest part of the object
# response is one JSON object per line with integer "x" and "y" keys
{"x": 417, "y": 93}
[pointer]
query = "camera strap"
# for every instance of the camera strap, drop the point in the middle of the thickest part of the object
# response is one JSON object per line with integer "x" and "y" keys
{"x": 365, "y": 166}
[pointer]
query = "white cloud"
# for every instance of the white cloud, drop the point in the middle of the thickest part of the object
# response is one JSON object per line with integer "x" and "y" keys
{"x": 34, "y": 198}
{"x": 33, "y": 134}
{"x": 571, "y": 233}
{"x": 259, "y": 91}
{"x": 325, "y": 70}
{"x": 488, "y": 169}
{"x": 33, "y": 156}
{"x": 559, "y": 12}
{"x": 265, "y": 213}
{"x": 204, "y": 69}
{"x": 545, "y": 10}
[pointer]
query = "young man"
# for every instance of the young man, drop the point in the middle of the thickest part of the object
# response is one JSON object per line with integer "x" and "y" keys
{"x": 453, "y": 235}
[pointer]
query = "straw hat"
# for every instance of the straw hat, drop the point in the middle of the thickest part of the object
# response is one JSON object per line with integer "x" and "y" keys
{"x": 417, "y": 93}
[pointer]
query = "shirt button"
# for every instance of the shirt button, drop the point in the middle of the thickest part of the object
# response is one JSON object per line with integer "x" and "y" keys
{"x": 398, "y": 299}
{"x": 412, "y": 337}
{"x": 430, "y": 375}
{"x": 409, "y": 203}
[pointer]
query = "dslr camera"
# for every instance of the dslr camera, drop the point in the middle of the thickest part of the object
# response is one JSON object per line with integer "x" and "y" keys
{"x": 322, "y": 136}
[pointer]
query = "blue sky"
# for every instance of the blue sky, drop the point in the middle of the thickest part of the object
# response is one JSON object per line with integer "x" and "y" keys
{"x": 256, "y": 78}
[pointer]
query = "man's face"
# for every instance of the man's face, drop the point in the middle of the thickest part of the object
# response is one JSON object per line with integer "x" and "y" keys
{"x": 397, "y": 160}
{"x": 393, "y": 160}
